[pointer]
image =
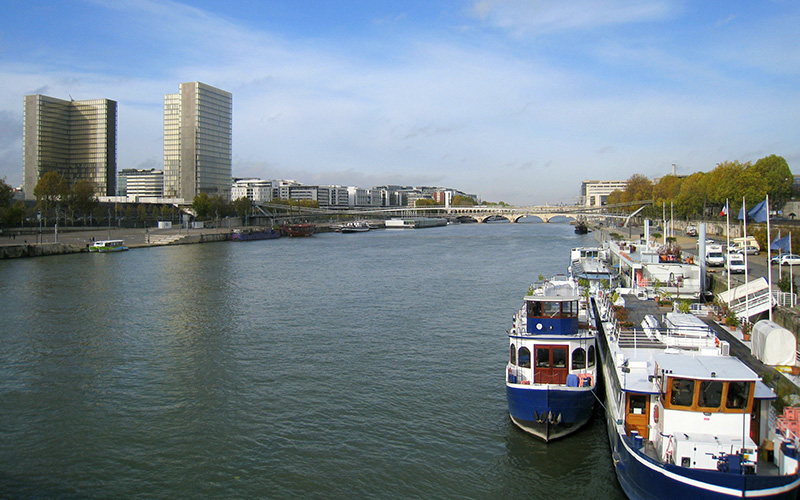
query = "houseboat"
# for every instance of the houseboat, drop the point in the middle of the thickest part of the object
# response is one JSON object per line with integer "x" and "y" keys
{"x": 552, "y": 366}
{"x": 684, "y": 418}
{"x": 104, "y": 246}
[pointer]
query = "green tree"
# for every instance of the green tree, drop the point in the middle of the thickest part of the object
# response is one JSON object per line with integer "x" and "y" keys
{"x": 667, "y": 189}
{"x": 81, "y": 198}
{"x": 14, "y": 214}
{"x": 463, "y": 200}
{"x": 424, "y": 202}
{"x": 638, "y": 188}
{"x": 777, "y": 176}
{"x": 692, "y": 196}
{"x": 50, "y": 189}
{"x": 202, "y": 205}
{"x": 243, "y": 206}
{"x": 6, "y": 194}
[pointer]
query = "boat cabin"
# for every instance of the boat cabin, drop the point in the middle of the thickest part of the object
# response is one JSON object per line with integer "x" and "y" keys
{"x": 553, "y": 309}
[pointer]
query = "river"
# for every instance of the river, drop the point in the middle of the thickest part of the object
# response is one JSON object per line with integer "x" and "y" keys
{"x": 345, "y": 366}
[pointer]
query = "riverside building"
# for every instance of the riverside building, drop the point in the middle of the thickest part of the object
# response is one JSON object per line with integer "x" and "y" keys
{"x": 77, "y": 139}
{"x": 197, "y": 142}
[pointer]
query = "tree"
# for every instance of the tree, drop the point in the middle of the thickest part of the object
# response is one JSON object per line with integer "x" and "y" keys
{"x": 202, "y": 205}
{"x": 50, "y": 189}
{"x": 13, "y": 214}
{"x": 81, "y": 197}
{"x": 463, "y": 200}
{"x": 424, "y": 202}
{"x": 692, "y": 196}
{"x": 638, "y": 188}
{"x": 243, "y": 206}
{"x": 6, "y": 194}
{"x": 777, "y": 176}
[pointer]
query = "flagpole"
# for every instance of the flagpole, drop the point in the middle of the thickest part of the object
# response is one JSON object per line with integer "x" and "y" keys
{"x": 769, "y": 257}
{"x": 746, "y": 279}
{"x": 728, "y": 232}
{"x": 791, "y": 273}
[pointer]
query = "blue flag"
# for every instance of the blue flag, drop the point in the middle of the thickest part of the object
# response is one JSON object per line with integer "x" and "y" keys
{"x": 781, "y": 244}
{"x": 759, "y": 212}
{"x": 741, "y": 213}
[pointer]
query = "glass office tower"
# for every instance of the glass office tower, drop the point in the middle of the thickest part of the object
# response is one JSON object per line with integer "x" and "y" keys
{"x": 77, "y": 139}
{"x": 197, "y": 142}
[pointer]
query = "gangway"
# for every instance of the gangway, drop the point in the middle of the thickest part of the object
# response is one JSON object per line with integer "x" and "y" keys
{"x": 749, "y": 299}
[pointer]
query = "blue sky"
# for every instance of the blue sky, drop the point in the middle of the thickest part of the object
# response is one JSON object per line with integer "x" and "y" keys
{"x": 516, "y": 101}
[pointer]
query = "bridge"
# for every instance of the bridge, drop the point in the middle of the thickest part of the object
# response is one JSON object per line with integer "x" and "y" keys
{"x": 480, "y": 213}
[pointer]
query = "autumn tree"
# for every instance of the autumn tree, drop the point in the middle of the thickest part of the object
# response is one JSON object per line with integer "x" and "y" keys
{"x": 777, "y": 176}
{"x": 50, "y": 189}
{"x": 81, "y": 198}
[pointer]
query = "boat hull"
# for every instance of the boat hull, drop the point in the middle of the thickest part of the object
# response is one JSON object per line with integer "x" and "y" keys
{"x": 256, "y": 235}
{"x": 547, "y": 412}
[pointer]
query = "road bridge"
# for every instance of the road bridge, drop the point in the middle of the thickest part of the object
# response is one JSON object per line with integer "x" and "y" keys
{"x": 480, "y": 213}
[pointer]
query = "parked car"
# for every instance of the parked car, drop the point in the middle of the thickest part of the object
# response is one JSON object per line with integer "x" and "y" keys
{"x": 736, "y": 263}
{"x": 786, "y": 258}
{"x": 752, "y": 250}
{"x": 691, "y": 230}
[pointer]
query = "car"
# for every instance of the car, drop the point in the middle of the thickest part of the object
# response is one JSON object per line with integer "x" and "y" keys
{"x": 715, "y": 257}
{"x": 786, "y": 258}
{"x": 691, "y": 231}
{"x": 752, "y": 250}
{"x": 735, "y": 263}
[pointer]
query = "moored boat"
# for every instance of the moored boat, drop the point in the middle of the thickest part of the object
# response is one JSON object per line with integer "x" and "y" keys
{"x": 255, "y": 234}
{"x": 684, "y": 418}
{"x": 551, "y": 371}
{"x": 296, "y": 230}
{"x": 104, "y": 246}
{"x": 358, "y": 226}
{"x": 415, "y": 223}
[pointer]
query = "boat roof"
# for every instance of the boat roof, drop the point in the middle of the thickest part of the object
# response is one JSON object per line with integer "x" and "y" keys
{"x": 704, "y": 367}
{"x": 555, "y": 291}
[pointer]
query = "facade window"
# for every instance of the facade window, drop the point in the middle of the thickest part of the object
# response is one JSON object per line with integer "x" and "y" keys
{"x": 578, "y": 359}
{"x": 524, "y": 357}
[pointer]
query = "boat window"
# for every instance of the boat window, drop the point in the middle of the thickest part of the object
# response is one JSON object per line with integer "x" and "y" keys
{"x": 559, "y": 357}
{"x": 738, "y": 394}
{"x": 578, "y": 359}
{"x": 637, "y": 404}
{"x": 710, "y": 394}
{"x": 551, "y": 309}
{"x": 590, "y": 355}
{"x": 513, "y": 355}
{"x": 534, "y": 309}
{"x": 682, "y": 392}
{"x": 524, "y": 357}
{"x": 542, "y": 358}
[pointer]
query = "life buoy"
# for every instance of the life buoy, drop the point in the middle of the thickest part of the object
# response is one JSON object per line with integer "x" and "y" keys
{"x": 655, "y": 414}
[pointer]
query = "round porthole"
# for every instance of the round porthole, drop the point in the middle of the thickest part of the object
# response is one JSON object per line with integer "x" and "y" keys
{"x": 538, "y": 326}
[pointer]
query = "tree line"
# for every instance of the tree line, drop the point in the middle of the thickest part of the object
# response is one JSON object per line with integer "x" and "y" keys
{"x": 704, "y": 194}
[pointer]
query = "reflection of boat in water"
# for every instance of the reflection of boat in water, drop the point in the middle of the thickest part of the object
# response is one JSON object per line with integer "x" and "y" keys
{"x": 105, "y": 246}
{"x": 684, "y": 418}
{"x": 255, "y": 234}
{"x": 552, "y": 370}
{"x": 358, "y": 226}
{"x": 295, "y": 230}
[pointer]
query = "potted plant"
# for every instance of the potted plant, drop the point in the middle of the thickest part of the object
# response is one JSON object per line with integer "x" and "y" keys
{"x": 747, "y": 327}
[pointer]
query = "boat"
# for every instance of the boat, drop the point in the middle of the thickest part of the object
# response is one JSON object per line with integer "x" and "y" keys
{"x": 552, "y": 370}
{"x": 104, "y": 246}
{"x": 415, "y": 223}
{"x": 581, "y": 227}
{"x": 358, "y": 226}
{"x": 296, "y": 230}
{"x": 593, "y": 265}
{"x": 255, "y": 234}
{"x": 685, "y": 419}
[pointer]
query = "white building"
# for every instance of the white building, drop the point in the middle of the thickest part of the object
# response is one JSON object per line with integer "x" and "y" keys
{"x": 595, "y": 193}
{"x": 257, "y": 190}
{"x": 135, "y": 183}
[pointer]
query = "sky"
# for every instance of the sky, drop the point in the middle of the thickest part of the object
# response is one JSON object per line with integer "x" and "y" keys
{"x": 511, "y": 100}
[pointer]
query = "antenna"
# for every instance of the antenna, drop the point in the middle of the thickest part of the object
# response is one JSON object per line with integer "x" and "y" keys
{"x": 70, "y": 97}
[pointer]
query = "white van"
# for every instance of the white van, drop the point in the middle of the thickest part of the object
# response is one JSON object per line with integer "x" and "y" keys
{"x": 748, "y": 242}
{"x": 714, "y": 256}
{"x": 736, "y": 263}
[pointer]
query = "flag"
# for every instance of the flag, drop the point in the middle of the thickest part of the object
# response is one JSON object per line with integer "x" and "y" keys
{"x": 724, "y": 211}
{"x": 782, "y": 244}
{"x": 741, "y": 213}
{"x": 759, "y": 212}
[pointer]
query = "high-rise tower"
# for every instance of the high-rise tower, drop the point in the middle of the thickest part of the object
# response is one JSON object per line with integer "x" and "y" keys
{"x": 77, "y": 139}
{"x": 197, "y": 141}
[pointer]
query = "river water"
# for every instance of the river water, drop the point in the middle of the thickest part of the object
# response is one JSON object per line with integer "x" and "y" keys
{"x": 363, "y": 365}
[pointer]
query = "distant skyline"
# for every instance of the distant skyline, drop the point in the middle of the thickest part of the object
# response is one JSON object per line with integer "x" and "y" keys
{"x": 514, "y": 100}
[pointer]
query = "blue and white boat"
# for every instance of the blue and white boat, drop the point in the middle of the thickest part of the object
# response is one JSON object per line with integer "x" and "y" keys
{"x": 552, "y": 367}
{"x": 684, "y": 418}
